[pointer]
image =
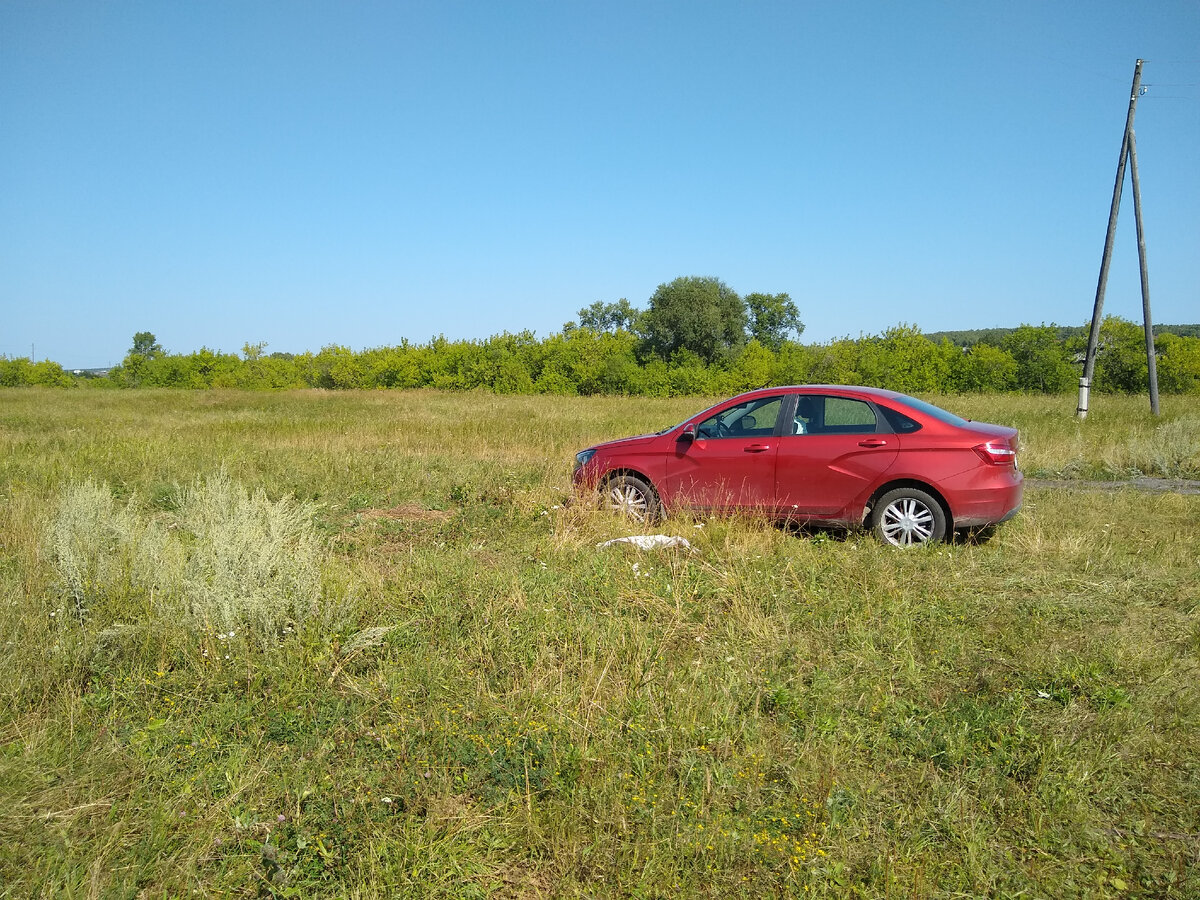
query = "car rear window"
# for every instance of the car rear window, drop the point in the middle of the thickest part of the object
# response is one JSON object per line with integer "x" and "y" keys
{"x": 935, "y": 412}
{"x": 900, "y": 423}
{"x": 930, "y": 411}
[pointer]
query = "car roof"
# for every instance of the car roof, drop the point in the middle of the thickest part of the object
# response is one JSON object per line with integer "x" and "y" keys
{"x": 824, "y": 388}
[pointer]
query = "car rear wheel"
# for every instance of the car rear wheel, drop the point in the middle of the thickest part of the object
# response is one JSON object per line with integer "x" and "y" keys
{"x": 906, "y": 517}
{"x": 631, "y": 497}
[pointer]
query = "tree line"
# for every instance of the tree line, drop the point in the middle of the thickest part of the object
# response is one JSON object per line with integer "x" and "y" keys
{"x": 696, "y": 337}
{"x": 971, "y": 337}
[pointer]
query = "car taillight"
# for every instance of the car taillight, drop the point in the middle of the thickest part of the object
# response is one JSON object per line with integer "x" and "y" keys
{"x": 997, "y": 453}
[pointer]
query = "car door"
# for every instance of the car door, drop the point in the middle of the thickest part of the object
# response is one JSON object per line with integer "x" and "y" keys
{"x": 730, "y": 464}
{"x": 838, "y": 450}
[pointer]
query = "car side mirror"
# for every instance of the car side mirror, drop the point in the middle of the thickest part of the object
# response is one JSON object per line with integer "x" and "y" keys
{"x": 688, "y": 433}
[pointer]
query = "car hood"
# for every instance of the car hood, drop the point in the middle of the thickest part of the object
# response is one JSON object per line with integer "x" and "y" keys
{"x": 626, "y": 443}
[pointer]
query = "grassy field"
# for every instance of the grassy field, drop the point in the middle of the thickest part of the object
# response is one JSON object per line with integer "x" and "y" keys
{"x": 357, "y": 645}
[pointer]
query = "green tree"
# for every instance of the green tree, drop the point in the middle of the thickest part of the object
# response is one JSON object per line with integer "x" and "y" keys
{"x": 1043, "y": 363}
{"x": 1121, "y": 364}
{"x": 132, "y": 370}
{"x": 145, "y": 346}
{"x": 1178, "y": 364}
{"x": 611, "y": 317}
{"x": 902, "y": 359}
{"x": 689, "y": 376}
{"x": 753, "y": 368}
{"x": 795, "y": 363}
{"x": 702, "y": 315}
{"x": 773, "y": 318}
{"x": 19, "y": 372}
{"x": 979, "y": 369}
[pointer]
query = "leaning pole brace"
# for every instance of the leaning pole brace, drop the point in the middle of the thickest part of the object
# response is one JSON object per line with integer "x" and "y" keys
{"x": 1147, "y": 322}
{"x": 1089, "y": 363}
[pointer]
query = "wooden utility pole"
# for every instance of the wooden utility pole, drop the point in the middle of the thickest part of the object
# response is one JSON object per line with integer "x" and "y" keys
{"x": 1128, "y": 153}
{"x": 1151, "y": 363}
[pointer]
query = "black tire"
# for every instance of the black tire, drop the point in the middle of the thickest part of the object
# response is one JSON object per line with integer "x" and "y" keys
{"x": 906, "y": 517}
{"x": 631, "y": 497}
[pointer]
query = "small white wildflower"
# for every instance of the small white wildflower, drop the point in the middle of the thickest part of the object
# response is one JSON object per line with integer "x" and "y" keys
{"x": 385, "y": 800}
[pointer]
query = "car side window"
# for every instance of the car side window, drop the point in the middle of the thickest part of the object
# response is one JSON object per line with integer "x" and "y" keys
{"x": 817, "y": 414}
{"x": 807, "y": 417}
{"x": 844, "y": 415}
{"x": 754, "y": 418}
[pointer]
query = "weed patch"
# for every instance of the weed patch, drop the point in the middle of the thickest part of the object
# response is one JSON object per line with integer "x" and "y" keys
{"x": 224, "y": 560}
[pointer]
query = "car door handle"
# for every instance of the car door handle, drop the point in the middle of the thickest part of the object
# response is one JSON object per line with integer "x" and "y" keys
{"x": 873, "y": 442}
{"x": 756, "y": 448}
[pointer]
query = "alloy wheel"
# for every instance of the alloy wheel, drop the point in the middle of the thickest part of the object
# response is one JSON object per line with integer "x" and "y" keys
{"x": 907, "y": 521}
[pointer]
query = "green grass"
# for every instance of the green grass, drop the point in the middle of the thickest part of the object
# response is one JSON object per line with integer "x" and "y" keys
{"x": 480, "y": 703}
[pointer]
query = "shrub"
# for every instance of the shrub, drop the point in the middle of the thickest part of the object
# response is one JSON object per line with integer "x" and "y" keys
{"x": 90, "y": 541}
{"x": 980, "y": 369}
{"x": 1178, "y": 364}
{"x": 227, "y": 559}
{"x": 252, "y": 562}
{"x": 1043, "y": 362}
{"x": 20, "y": 372}
{"x": 581, "y": 360}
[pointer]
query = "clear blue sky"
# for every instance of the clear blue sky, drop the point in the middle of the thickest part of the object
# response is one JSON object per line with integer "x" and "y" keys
{"x": 311, "y": 173}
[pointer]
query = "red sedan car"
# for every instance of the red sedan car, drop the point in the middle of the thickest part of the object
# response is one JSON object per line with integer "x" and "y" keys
{"x": 847, "y": 456}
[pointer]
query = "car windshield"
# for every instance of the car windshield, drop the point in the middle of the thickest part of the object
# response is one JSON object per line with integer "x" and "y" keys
{"x": 688, "y": 419}
{"x": 935, "y": 412}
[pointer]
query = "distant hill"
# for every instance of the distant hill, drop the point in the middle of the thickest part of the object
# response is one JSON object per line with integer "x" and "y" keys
{"x": 995, "y": 335}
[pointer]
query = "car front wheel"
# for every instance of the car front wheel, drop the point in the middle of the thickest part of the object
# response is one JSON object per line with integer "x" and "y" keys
{"x": 632, "y": 497}
{"x": 906, "y": 517}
